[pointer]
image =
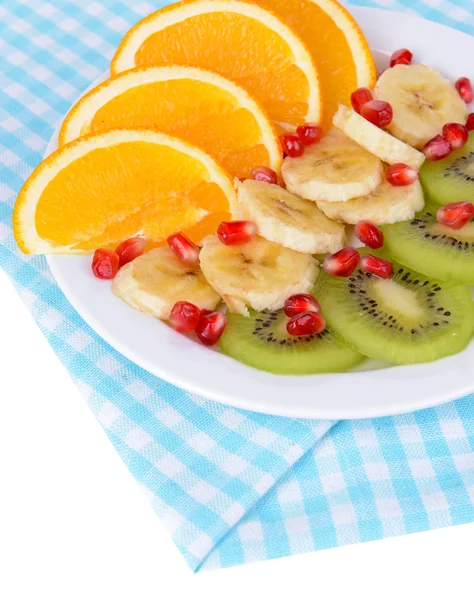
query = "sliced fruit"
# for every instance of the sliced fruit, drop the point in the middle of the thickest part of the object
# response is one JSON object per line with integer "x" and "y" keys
{"x": 433, "y": 249}
{"x": 261, "y": 341}
{"x": 329, "y": 30}
{"x": 204, "y": 108}
{"x": 450, "y": 179}
{"x": 101, "y": 189}
{"x": 422, "y": 101}
{"x": 154, "y": 282}
{"x": 377, "y": 141}
{"x": 286, "y": 219}
{"x": 238, "y": 40}
{"x": 406, "y": 319}
{"x": 258, "y": 275}
{"x": 335, "y": 170}
{"x": 386, "y": 204}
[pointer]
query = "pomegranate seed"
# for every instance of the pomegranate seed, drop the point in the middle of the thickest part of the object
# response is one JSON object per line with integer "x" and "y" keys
{"x": 456, "y": 135}
{"x": 236, "y": 233}
{"x": 360, "y": 97}
{"x": 210, "y": 327}
{"x": 470, "y": 122}
{"x": 184, "y": 317}
{"x": 342, "y": 263}
{"x": 292, "y": 144}
{"x": 376, "y": 266}
{"x": 369, "y": 234}
{"x": 437, "y": 148}
{"x": 307, "y": 323}
{"x": 464, "y": 87}
{"x": 130, "y": 250}
{"x": 377, "y": 112}
{"x": 400, "y": 175}
{"x": 401, "y": 57}
{"x": 300, "y": 303}
{"x": 185, "y": 249}
{"x": 105, "y": 263}
{"x": 455, "y": 215}
{"x": 265, "y": 174}
{"x": 310, "y": 133}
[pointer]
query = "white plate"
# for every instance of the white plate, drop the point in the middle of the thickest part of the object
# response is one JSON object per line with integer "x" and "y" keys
{"x": 185, "y": 363}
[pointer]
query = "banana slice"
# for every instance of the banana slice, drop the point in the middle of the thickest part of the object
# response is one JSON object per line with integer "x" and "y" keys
{"x": 387, "y": 204}
{"x": 155, "y": 281}
{"x": 335, "y": 170}
{"x": 258, "y": 275}
{"x": 286, "y": 219}
{"x": 422, "y": 101}
{"x": 377, "y": 141}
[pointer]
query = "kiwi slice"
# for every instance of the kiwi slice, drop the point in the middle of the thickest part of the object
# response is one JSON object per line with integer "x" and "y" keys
{"x": 261, "y": 341}
{"x": 450, "y": 179}
{"x": 406, "y": 319}
{"x": 433, "y": 249}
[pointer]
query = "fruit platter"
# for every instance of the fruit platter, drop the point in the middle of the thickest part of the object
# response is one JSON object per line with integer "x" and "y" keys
{"x": 270, "y": 216}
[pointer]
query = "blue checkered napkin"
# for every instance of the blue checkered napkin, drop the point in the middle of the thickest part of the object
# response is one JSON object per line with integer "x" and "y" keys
{"x": 230, "y": 486}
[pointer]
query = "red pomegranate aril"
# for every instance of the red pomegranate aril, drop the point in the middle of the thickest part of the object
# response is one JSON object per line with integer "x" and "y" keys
{"x": 400, "y": 175}
{"x": 300, "y": 303}
{"x": 184, "y": 317}
{"x": 292, "y": 144}
{"x": 369, "y": 234}
{"x": 310, "y": 133}
{"x": 456, "y": 135}
{"x": 342, "y": 263}
{"x": 130, "y": 250}
{"x": 377, "y": 112}
{"x": 210, "y": 327}
{"x": 437, "y": 148}
{"x": 401, "y": 57}
{"x": 307, "y": 323}
{"x": 360, "y": 97}
{"x": 105, "y": 263}
{"x": 455, "y": 215}
{"x": 376, "y": 266}
{"x": 464, "y": 88}
{"x": 236, "y": 233}
{"x": 264, "y": 174}
{"x": 184, "y": 248}
{"x": 470, "y": 122}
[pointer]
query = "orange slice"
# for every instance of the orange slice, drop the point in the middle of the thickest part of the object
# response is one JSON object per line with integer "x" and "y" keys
{"x": 337, "y": 45}
{"x": 202, "y": 107}
{"x": 238, "y": 40}
{"x": 101, "y": 189}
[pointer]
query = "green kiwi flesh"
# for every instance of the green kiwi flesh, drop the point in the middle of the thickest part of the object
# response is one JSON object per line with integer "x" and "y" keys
{"x": 433, "y": 249}
{"x": 261, "y": 341}
{"x": 450, "y": 179}
{"x": 406, "y": 319}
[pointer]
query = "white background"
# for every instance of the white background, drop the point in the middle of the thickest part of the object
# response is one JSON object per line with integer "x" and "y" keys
{"x": 73, "y": 523}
